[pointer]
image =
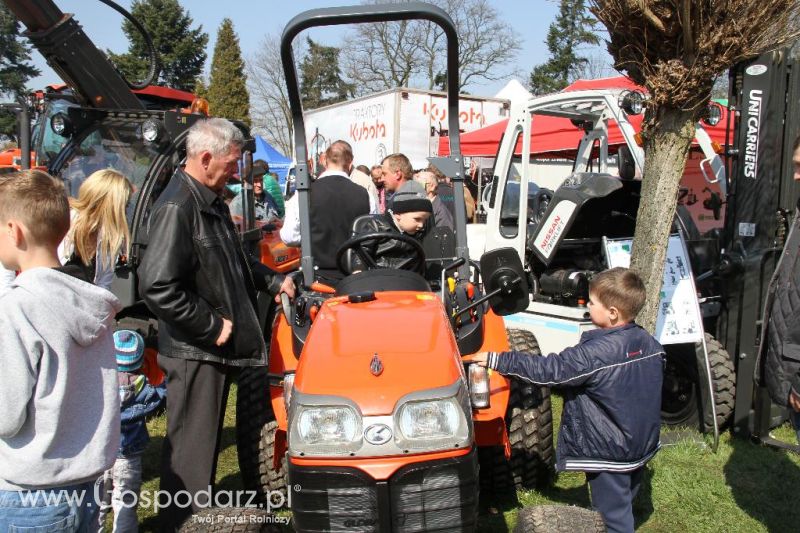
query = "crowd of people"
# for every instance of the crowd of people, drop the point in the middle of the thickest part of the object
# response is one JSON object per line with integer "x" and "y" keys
{"x": 73, "y": 389}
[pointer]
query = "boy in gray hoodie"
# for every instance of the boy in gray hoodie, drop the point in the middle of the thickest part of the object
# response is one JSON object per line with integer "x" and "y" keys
{"x": 59, "y": 407}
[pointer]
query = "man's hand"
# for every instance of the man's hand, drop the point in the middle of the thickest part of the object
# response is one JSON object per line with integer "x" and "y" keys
{"x": 225, "y": 334}
{"x": 794, "y": 401}
{"x": 288, "y": 287}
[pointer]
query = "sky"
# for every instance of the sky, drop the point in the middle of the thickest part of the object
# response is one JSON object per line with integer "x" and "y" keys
{"x": 253, "y": 19}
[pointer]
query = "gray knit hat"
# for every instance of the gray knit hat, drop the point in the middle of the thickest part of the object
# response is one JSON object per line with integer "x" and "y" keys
{"x": 410, "y": 197}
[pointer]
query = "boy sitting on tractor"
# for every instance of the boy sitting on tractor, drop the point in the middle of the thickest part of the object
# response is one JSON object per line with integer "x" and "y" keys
{"x": 612, "y": 410}
{"x": 407, "y": 214}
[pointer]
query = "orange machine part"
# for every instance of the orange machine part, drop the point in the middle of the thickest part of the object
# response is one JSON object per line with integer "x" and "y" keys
{"x": 407, "y": 331}
{"x": 150, "y": 367}
{"x": 380, "y": 468}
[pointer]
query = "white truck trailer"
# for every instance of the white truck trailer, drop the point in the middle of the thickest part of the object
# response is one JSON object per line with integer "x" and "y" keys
{"x": 397, "y": 120}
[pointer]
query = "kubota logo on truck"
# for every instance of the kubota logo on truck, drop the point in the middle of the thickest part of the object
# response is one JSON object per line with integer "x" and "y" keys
{"x": 553, "y": 227}
{"x": 753, "y": 128}
{"x": 364, "y": 131}
{"x": 467, "y": 117}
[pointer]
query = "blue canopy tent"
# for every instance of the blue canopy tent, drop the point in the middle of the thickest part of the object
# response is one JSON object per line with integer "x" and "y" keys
{"x": 278, "y": 163}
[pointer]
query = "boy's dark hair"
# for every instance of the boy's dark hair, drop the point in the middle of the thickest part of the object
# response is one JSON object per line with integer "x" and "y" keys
{"x": 621, "y": 288}
{"x": 39, "y": 202}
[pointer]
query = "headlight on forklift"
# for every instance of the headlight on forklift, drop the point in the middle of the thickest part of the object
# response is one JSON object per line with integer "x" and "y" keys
{"x": 335, "y": 425}
{"x": 632, "y": 102}
{"x": 61, "y": 125}
{"x": 478, "y": 386}
{"x": 712, "y": 114}
{"x": 151, "y": 130}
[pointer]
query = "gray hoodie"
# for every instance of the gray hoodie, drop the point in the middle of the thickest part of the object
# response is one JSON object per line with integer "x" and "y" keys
{"x": 59, "y": 405}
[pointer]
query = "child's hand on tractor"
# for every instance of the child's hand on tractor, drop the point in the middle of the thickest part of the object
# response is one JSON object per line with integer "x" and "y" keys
{"x": 480, "y": 358}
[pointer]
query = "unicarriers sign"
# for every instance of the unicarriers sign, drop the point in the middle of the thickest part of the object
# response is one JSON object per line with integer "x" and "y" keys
{"x": 754, "y": 107}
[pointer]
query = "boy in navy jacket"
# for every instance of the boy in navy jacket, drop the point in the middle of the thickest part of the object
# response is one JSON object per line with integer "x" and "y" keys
{"x": 612, "y": 395}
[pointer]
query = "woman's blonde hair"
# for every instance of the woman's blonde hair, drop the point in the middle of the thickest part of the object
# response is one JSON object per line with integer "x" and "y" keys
{"x": 100, "y": 208}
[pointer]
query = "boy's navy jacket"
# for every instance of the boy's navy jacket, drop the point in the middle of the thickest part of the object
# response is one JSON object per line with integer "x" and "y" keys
{"x": 138, "y": 398}
{"x": 612, "y": 399}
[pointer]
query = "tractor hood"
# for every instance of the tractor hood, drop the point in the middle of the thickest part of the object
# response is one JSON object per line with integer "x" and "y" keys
{"x": 375, "y": 352}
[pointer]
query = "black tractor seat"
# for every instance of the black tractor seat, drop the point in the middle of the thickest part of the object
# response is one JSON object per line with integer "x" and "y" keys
{"x": 382, "y": 279}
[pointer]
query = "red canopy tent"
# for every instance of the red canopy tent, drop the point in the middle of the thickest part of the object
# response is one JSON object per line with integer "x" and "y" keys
{"x": 552, "y": 135}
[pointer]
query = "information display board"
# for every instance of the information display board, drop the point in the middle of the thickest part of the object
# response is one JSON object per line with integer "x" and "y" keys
{"x": 679, "y": 319}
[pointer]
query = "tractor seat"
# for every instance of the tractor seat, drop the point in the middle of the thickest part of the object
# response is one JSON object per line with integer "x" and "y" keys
{"x": 382, "y": 279}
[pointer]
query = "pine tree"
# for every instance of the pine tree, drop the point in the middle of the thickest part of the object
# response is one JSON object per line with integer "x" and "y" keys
{"x": 572, "y": 28}
{"x": 181, "y": 49}
{"x": 227, "y": 90}
{"x": 322, "y": 82}
{"x": 15, "y": 71}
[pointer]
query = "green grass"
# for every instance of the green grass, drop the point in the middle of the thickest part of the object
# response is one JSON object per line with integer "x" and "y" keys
{"x": 741, "y": 488}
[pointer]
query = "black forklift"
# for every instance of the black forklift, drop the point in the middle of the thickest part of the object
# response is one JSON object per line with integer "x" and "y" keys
{"x": 765, "y": 104}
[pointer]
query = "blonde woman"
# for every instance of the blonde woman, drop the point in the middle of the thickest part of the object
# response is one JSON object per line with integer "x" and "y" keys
{"x": 99, "y": 232}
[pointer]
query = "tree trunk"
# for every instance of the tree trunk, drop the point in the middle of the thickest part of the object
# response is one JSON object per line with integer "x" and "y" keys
{"x": 666, "y": 148}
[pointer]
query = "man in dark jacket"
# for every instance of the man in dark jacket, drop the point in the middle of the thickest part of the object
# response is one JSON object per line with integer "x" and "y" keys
{"x": 612, "y": 405}
{"x": 196, "y": 278}
{"x": 781, "y": 341}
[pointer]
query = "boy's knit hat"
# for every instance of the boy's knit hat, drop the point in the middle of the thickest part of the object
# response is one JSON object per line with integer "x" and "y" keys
{"x": 129, "y": 349}
{"x": 410, "y": 197}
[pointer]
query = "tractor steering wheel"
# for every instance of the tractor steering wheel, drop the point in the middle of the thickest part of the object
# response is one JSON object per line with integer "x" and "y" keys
{"x": 357, "y": 245}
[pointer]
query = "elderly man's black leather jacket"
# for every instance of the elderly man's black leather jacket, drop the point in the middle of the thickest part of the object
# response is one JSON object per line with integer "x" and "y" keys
{"x": 195, "y": 272}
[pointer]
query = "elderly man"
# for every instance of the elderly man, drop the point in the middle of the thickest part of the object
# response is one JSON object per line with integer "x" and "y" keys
{"x": 335, "y": 203}
{"x": 196, "y": 278}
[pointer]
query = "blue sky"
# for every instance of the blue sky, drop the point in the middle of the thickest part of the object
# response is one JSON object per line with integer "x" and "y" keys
{"x": 253, "y": 19}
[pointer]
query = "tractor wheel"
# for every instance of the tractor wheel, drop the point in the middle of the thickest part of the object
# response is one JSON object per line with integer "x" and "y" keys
{"x": 529, "y": 422}
{"x": 229, "y": 520}
{"x": 681, "y": 401}
{"x": 255, "y": 435}
{"x": 558, "y": 519}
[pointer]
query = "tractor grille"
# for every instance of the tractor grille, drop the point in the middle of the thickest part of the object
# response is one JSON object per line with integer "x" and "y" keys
{"x": 437, "y": 496}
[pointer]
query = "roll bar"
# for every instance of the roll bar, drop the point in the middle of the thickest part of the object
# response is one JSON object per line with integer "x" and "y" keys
{"x": 358, "y": 15}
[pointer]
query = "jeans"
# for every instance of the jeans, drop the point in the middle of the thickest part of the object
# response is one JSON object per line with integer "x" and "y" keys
{"x": 122, "y": 482}
{"x": 68, "y": 509}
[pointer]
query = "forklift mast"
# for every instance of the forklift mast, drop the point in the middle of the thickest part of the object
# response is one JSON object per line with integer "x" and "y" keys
{"x": 765, "y": 101}
{"x": 74, "y": 57}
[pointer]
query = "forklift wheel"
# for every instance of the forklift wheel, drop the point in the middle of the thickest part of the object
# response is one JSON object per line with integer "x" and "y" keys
{"x": 229, "y": 520}
{"x": 681, "y": 404}
{"x": 529, "y": 422}
{"x": 558, "y": 519}
{"x": 255, "y": 435}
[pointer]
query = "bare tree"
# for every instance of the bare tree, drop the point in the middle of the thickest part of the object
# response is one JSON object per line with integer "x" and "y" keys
{"x": 413, "y": 53}
{"x": 269, "y": 108}
{"x": 677, "y": 48}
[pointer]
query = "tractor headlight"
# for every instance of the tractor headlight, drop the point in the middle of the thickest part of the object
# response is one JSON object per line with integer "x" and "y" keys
{"x": 325, "y": 429}
{"x": 712, "y": 114}
{"x": 434, "y": 424}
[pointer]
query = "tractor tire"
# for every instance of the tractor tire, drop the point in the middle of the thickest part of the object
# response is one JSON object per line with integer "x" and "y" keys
{"x": 229, "y": 520}
{"x": 558, "y": 519}
{"x": 529, "y": 422}
{"x": 255, "y": 435}
{"x": 682, "y": 404}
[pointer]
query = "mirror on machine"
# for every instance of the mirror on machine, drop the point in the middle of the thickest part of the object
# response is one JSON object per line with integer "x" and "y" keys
{"x": 504, "y": 276}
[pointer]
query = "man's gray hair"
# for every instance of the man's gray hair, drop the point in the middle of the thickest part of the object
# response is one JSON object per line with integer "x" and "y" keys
{"x": 215, "y": 135}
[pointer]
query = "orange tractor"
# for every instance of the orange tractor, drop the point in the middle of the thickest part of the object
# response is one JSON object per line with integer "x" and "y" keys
{"x": 370, "y": 416}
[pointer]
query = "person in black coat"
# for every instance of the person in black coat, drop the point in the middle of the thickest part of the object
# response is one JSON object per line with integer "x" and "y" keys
{"x": 201, "y": 284}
